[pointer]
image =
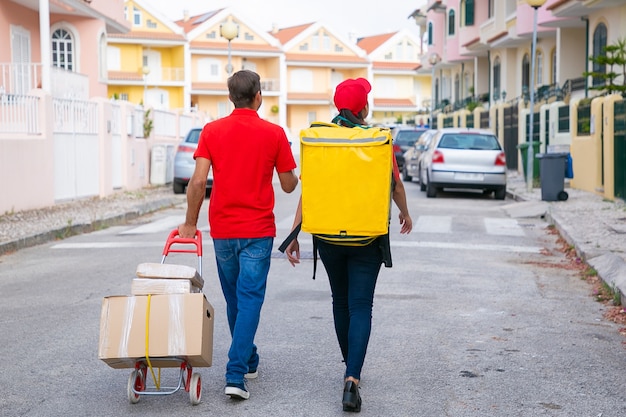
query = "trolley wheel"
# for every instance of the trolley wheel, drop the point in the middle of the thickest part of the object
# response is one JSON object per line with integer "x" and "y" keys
{"x": 195, "y": 389}
{"x": 136, "y": 382}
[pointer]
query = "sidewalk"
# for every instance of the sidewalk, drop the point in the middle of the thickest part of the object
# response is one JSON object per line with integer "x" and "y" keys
{"x": 595, "y": 227}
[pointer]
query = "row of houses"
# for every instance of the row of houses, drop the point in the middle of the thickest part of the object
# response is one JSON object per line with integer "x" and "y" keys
{"x": 106, "y": 55}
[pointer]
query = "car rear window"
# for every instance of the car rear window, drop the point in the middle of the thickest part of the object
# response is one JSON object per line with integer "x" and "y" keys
{"x": 469, "y": 141}
{"x": 193, "y": 136}
{"x": 408, "y": 137}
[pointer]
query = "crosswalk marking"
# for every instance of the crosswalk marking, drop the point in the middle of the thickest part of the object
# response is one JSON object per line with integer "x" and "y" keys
{"x": 502, "y": 227}
{"x": 166, "y": 223}
{"x": 307, "y": 242}
{"x": 433, "y": 224}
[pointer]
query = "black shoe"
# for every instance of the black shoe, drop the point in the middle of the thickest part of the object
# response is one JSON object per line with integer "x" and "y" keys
{"x": 351, "y": 397}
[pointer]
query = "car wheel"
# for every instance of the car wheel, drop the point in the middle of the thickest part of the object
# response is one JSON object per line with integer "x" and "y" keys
{"x": 406, "y": 176}
{"x": 422, "y": 184}
{"x": 500, "y": 193}
{"x": 178, "y": 187}
{"x": 431, "y": 191}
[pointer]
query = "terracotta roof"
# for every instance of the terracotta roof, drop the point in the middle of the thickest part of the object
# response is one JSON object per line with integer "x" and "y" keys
{"x": 370, "y": 43}
{"x": 470, "y": 43}
{"x": 209, "y": 86}
{"x": 408, "y": 66}
{"x": 309, "y": 96}
{"x": 498, "y": 36}
{"x": 235, "y": 46}
{"x": 393, "y": 102}
{"x": 193, "y": 21}
{"x": 556, "y": 4}
{"x": 325, "y": 58}
{"x": 147, "y": 35}
{"x": 286, "y": 34}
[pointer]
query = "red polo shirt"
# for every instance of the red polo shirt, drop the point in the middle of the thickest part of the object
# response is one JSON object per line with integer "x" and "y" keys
{"x": 244, "y": 151}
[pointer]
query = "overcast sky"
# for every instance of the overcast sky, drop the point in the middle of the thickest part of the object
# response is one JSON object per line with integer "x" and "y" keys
{"x": 381, "y": 16}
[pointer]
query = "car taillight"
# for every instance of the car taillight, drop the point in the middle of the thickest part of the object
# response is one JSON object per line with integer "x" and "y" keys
{"x": 184, "y": 148}
{"x": 437, "y": 157}
{"x": 396, "y": 148}
{"x": 501, "y": 159}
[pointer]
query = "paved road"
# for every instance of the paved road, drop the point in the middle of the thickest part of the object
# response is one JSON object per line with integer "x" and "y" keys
{"x": 480, "y": 316}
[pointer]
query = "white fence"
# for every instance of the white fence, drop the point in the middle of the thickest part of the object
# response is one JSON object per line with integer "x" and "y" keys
{"x": 62, "y": 149}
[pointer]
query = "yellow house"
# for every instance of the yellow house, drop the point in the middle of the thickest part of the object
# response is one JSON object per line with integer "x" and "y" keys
{"x": 146, "y": 65}
{"x": 399, "y": 93}
{"x": 211, "y": 56}
{"x": 315, "y": 61}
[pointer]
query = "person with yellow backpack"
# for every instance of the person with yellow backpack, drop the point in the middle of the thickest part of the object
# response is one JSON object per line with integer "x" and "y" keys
{"x": 351, "y": 262}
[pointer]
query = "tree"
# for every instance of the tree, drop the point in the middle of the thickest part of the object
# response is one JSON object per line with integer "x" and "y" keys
{"x": 613, "y": 59}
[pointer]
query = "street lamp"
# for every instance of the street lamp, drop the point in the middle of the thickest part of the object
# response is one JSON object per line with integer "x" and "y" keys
{"x": 535, "y": 4}
{"x": 229, "y": 31}
{"x": 433, "y": 60}
{"x": 145, "y": 70}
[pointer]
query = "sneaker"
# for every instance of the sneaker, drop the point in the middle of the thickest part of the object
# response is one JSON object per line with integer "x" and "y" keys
{"x": 237, "y": 391}
{"x": 252, "y": 374}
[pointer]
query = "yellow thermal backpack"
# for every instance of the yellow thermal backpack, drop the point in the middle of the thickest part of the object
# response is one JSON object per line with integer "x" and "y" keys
{"x": 346, "y": 178}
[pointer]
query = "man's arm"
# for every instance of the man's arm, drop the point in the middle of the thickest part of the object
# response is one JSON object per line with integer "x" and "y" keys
{"x": 288, "y": 181}
{"x": 196, "y": 190}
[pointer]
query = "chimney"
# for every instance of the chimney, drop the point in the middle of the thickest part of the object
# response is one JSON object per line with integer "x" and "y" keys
{"x": 185, "y": 15}
{"x": 274, "y": 28}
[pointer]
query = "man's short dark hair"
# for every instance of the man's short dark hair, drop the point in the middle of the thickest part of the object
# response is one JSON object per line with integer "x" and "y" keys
{"x": 242, "y": 87}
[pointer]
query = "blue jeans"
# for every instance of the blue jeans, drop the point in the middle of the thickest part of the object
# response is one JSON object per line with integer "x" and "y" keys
{"x": 242, "y": 266}
{"x": 352, "y": 272}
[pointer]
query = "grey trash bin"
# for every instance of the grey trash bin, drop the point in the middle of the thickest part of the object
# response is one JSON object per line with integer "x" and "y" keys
{"x": 552, "y": 176}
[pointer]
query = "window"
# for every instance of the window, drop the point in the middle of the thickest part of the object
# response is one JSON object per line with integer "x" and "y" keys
{"x": 125, "y": 12}
{"x": 63, "y": 49}
{"x": 248, "y": 36}
{"x": 326, "y": 39}
{"x": 338, "y": 48}
{"x": 399, "y": 51}
{"x": 497, "y": 77}
{"x": 389, "y": 56}
{"x": 539, "y": 67}
{"x": 526, "y": 73}
{"x": 466, "y": 84}
{"x": 312, "y": 117}
{"x": 304, "y": 47}
{"x": 114, "y": 60}
{"x": 315, "y": 43}
{"x": 208, "y": 69}
{"x": 491, "y": 8}
{"x": 124, "y": 96}
{"x": 467, "y": 12}
{"x": 150, "y": 24}
{"x": 211, "y": 35}
{"x": 599, "y": 43}
{"x": 301, "y": 80}
{"x": 102, "y": 55}
{"x": 136, "y": 17}
{"x": 451, "y": 23}
{"x": 430, "y": 33}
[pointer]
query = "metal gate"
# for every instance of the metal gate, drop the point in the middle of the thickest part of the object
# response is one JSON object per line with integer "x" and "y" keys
{"x": 510, "y": 136}
{"x": 619, "y": 149}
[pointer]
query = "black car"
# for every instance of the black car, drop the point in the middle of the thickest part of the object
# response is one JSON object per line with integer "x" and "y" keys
{"x": 403, "y": 138}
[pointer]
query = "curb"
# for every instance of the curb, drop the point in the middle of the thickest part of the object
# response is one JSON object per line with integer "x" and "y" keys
{"x": 77, "y": 229}
{"x": 611, "y": 269}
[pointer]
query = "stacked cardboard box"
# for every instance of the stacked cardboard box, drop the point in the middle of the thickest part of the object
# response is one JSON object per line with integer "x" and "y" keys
{"x": 166, "y": 319}
{"x": 154, "y": 278}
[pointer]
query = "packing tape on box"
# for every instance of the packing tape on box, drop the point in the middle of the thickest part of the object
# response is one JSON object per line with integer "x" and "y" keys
{"x": 177, "y": 341}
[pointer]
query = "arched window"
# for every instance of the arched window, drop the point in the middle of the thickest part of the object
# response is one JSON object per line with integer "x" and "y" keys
{"x": 526, "y": 73}
{"x": 430, "y": 33}
{"x": 451, "y": 23}
{"x": 497, "y": 68}
{"x": 599, "y": 43}
{"x": 63, "y": 50}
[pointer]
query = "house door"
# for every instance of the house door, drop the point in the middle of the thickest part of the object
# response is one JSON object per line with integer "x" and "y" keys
{"x": 20, "y": 57}
{"x": 152, "y": 60}
{"x": 619, "y": 149}
{"x": 510, "y": 135}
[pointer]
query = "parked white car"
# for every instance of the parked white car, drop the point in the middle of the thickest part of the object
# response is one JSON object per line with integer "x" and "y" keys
{"x": 412, "y": 157}
{"x": 466, "y": 159}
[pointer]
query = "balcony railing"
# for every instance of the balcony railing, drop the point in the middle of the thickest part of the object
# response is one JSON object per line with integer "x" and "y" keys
{"x": 22, "y": 78}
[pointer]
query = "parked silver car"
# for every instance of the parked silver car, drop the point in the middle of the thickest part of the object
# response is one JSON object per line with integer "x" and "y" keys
{"x": 412, "y": 157}
{"x": 184, "y": 164}
{"x": 464, "y": 158}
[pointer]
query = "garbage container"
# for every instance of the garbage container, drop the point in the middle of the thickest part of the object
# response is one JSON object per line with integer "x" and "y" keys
{"x": 523, "y": 148}
{"x": 552, "y": 174}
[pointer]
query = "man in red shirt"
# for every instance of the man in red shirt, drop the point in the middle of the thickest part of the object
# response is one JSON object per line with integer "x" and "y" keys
{"x": 243, "y": 151}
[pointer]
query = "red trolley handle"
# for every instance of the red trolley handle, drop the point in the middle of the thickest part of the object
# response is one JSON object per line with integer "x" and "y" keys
{"x": 175, "y": 239}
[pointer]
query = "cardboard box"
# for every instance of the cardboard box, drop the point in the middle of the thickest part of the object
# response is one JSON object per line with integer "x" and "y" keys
{"x": 145, "y": 286}
{"x": 169, "y": 271}
{"x": 178, "y": 326}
